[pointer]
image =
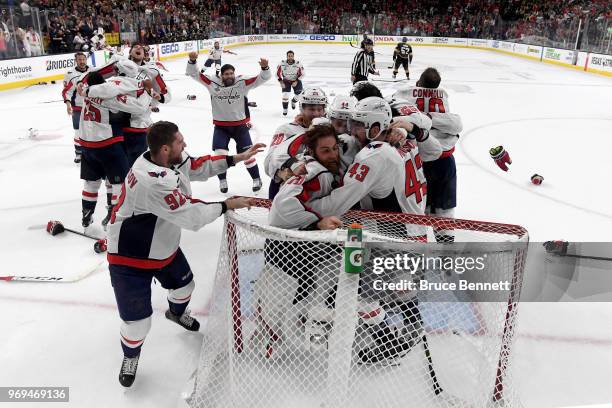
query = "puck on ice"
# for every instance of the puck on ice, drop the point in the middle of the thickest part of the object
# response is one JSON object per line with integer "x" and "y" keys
{"x": 537, "y": 179}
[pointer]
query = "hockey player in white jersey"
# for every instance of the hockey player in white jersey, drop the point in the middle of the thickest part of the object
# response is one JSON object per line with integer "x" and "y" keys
{"x": 134, "y": 129}
{"x": 144, "y": 234}
{"x": 289, "y": 74}
{"x": 312, "y": 104}
{"x": 103, "y": 153}
{"x": 146, "y": 70}
{"x": 230, "y": 111}
{"x": 214, "y": 57}
{"x": 134, "y": 126}
{"x": 322, "y": 171}
{"x": 74, "y": 101}
{"x": 441, "y": 174}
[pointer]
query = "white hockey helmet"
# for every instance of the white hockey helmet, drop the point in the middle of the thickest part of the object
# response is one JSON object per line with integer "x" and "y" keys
{"x": 341, "y": 107}
{"x": 313, "y": 96}
{"x": 372, "y": 111}
{"x": 127, "y": 68}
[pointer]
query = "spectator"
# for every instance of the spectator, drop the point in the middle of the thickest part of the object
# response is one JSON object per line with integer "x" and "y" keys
{"x": 3, "y": 46}
{"x": 33, "y": 39}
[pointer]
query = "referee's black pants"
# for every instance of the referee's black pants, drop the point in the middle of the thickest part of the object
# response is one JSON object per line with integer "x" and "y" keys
{"x": 360, "y": 78}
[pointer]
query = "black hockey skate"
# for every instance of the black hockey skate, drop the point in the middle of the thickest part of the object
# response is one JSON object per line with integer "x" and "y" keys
{"x": 256, "y": 184}
{"x": 185, "y": 320}
{"x": 87, "y": 218}
{"x": 223, "y": 186}
{"x": 106, "y": 219}
{"x": 127, "y": 375}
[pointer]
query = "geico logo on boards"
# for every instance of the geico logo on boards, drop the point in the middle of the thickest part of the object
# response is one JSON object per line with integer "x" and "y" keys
{"x": 169, "y": 48}
{"x": 60, "y": 64}
{"x": 255, "y": 38}
{"x": 319, "y": 37}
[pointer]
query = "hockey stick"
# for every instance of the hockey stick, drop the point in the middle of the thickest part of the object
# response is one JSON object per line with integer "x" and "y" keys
{"x": 389, "y": 80}
{"x": 596, "y": 258}
{"x": 560, "y": 248}
{"x": 56, "y": 227}
{"x": 432, "y": 373}
{"x": 13, "y": 278}
{"x": 409, "y": 310}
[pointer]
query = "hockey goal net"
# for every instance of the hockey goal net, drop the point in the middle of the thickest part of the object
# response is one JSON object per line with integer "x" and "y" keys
{"x": 289, "y": 327}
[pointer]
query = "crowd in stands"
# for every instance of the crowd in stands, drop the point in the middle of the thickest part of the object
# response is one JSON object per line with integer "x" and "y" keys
{"x": 68, "y": 25}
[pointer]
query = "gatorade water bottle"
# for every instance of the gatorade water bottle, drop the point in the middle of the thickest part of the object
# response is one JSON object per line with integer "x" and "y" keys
{"x": 353, "y": 250}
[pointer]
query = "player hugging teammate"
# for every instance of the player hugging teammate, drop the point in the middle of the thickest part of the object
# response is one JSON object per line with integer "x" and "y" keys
{"x": 388, "y": 142}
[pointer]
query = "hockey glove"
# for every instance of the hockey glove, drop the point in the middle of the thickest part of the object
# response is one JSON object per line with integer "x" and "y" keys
{"x": 55, "y": 227}
{"x": 537, "y": 179}
{"x": 501, "y": 157}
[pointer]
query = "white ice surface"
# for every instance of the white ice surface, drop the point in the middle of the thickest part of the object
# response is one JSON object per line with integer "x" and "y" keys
{"x": 553, "y": 121}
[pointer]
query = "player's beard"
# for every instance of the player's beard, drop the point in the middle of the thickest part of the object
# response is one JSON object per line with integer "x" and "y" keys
{"x": 137, "y": 59}
{"x": 228, "y": 81}
{"x": 175, "y": 159}
{"x": 332, "y": 165}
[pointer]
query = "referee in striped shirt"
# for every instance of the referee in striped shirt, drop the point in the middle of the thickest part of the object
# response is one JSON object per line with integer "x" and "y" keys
{"x": 363, "y": 64}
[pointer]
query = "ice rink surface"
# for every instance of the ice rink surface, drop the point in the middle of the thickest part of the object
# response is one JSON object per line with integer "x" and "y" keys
{"x": 553, "y": 121}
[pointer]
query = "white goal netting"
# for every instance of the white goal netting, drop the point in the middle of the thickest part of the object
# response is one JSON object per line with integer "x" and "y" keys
{"x": 288, "y": 327}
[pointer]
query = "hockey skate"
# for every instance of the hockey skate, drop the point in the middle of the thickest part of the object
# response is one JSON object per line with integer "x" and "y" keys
{"x": 293, "y": 101}
{"x": 77, "y": 158}
{"x": 256, "y": 184}
{"x": 127, "y": 375}
{"x": 285, "y": 111}
{"x": 185, "y": 320}
{"x": 87, "y": 219}
{"x": 223, "y": 186}
{"x": 108, "y": 217}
